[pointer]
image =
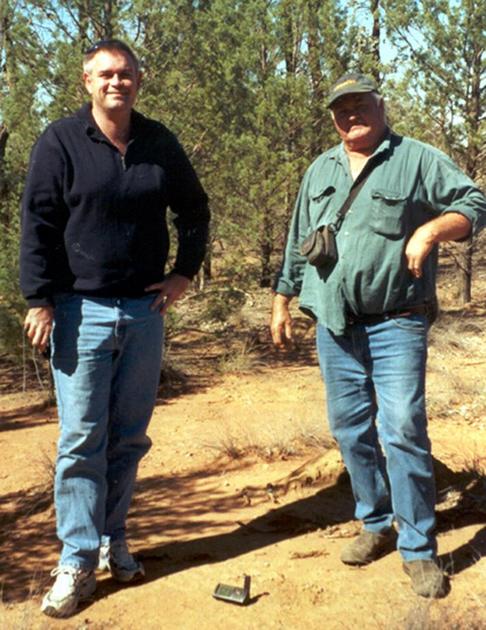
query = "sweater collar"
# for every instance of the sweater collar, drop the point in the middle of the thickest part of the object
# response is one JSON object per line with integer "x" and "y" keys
{"x": 85, "y": 114}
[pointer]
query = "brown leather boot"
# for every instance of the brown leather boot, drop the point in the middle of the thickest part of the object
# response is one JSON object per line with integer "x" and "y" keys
{"x": 369, "y": 546}
{"x": 428, "y": 580}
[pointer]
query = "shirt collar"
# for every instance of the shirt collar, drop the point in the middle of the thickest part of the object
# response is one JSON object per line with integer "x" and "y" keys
{"x": 92, "y": 129}
{"x": 385, "y": 144}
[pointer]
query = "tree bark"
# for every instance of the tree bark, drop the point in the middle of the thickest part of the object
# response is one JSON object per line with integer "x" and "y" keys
{"x": 316, "y": 77}
{"x": 3, "y": 144}
{"x": 375, "y": 40}
{"x": 466, "y": 272}
{"x": 473, "y": 117}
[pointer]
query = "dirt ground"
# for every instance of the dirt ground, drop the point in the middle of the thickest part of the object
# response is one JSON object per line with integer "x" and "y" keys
{"x": 216, "y": 499}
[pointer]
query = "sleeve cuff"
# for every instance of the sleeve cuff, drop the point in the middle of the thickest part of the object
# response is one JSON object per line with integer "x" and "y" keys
{"x": 180, "y": 272}
{"x": 39, "y": 302}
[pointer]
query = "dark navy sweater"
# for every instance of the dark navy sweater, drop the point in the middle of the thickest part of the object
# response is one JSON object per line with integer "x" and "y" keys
{"x": 94, "y": 222}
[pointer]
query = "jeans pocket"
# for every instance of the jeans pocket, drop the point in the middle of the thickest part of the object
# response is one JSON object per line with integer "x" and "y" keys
{"x": 413, "y": 323}
{"x": 388, "y": 213}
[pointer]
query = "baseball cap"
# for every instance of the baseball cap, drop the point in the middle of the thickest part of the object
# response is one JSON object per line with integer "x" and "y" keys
{"x": 351, "y": 83}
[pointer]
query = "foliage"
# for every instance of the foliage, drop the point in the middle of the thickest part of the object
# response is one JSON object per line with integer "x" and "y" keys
{"x": 243, "y": 85}
{"x": 442, "y": 46}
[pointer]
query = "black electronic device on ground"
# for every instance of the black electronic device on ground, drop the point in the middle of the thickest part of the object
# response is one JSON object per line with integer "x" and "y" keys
{"x": 234, "y": 594}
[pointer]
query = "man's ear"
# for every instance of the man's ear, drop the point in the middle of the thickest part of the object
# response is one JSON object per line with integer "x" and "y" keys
{"x": 381, "y": 105}
{"x": 382, "y": 109}
{"x": 139, "y": 79}
{"x": 87, "y": 81}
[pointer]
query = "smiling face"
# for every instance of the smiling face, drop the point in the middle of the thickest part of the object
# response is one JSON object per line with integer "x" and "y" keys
{"x": 112, "y": 80}
{"x": 360, "y": 121}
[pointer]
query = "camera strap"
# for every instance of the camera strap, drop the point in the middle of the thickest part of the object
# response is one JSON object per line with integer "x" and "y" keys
{"x": 353, "y": 193}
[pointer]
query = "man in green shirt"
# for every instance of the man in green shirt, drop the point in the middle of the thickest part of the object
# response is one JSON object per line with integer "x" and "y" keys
{"x": 371, "y": 307}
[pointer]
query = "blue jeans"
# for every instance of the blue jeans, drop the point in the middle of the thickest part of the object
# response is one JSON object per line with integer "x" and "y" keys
{"x": 375, "y": 384}
{"x": 106, "y": 360}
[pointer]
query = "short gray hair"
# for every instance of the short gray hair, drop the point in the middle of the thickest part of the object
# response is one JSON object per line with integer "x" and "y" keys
{"x": 109, "y": 44}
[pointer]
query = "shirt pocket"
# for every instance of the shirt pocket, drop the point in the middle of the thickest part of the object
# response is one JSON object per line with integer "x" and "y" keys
{"x": 388, "y": 212}
{"x": 320, "y": 205}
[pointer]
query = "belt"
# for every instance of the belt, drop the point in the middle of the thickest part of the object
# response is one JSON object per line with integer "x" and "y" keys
{"x": 376, "y": 318}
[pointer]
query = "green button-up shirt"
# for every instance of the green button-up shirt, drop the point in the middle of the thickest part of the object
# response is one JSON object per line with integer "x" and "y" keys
{"x": 409, "y": 184}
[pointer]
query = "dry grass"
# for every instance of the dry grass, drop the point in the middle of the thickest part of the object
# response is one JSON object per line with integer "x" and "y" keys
{"x": 227, "y": 446}
{"x": 457, "y": 391}
{"x": 234, "y": 447}
{"x": 430, "y": 615}
{"x": 270, "y": 444}
{"x": 458, "y": 336}
{"x": 27, "y": 616}
{"x": 36, "y": 499}
{"x": 241, "y": 358}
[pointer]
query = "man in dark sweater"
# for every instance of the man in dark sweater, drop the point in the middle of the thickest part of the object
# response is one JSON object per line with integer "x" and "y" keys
{"x": 93, "y": 254}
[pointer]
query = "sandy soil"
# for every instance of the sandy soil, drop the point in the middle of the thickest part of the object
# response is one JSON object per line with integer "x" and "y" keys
{"x": 209, "y": 508}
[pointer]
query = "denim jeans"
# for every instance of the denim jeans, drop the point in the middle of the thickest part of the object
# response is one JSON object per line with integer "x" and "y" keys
{"x": 375, "y": 384}
{"x": 106, "y": 360}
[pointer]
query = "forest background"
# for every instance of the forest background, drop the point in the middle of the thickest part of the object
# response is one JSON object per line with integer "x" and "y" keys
{"x": 243, "y": 85}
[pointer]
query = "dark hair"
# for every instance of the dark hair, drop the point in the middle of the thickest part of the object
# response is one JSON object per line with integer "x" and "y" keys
{"x": 110, "y": 44}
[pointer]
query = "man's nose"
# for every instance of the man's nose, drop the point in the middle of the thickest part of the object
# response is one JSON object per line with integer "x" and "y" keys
{"x": 116, "y": 78}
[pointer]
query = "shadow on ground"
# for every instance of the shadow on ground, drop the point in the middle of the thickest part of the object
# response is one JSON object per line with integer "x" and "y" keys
{"x": 28, "y": 416}
{"x": 187, "y": 509}
{"x": 200, "y": 522}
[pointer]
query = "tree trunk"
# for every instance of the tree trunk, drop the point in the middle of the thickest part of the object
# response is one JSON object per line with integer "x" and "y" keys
{"x": 466, "y": 272}
{"x": 207, "y": 267}
{"x": 474, "y": 114}
{"x": 3, "y": 145}
{"x": 375, "y": 40}
{"x": 316, "y": 78}
{"x": 108, "y": 19}
{"x": 266, "y": 249}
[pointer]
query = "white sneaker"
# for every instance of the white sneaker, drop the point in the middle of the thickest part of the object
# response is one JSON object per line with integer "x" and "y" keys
{"x": 115, "y": 557}
{"x": 72, "y": 586}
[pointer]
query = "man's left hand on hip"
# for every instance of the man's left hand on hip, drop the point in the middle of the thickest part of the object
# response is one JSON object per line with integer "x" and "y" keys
{"x": 170, "y": 290}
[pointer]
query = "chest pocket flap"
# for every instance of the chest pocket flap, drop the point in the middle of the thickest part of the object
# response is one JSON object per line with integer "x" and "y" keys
{"x": 388, "y": 212}
{"x": 320, "y": 204}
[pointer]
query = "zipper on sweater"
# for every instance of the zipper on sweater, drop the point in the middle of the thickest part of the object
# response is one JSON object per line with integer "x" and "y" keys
{"x": 123, "y": 155}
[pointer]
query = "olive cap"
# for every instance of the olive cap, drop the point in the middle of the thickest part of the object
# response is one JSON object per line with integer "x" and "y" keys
{"x": 351, "y": 83}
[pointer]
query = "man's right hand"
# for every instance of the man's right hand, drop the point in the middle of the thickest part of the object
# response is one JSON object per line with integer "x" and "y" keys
{"x": 38, "y": 326}
{"x": 281, "y": 322}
